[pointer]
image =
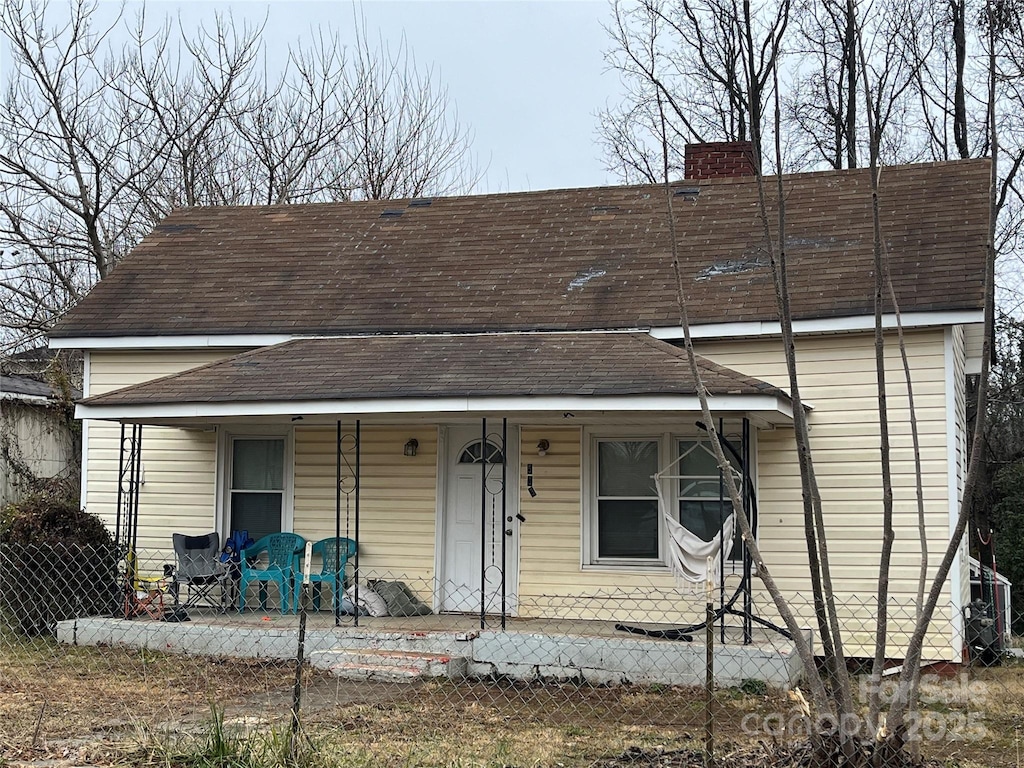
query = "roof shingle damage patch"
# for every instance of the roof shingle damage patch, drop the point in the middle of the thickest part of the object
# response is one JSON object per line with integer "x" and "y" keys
{"x": 732, "y": 267}
{"x": 560, "y": 260}
{"x": 484, "y": 365}
{"x": 584, "y": 277}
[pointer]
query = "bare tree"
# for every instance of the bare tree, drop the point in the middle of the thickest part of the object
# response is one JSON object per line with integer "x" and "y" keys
{"x": 292, "y": 129}
{"x": 191, "y": 87}
{"x": 887, "y": 75}
{"x": 826, "y": 108}
{"x": 65, "y": 152}
{"x": 822, "y": 105}
{"x": 693, "y": 58}
{"x": 99, "y": 141}
{"x": 402, "y": 139}
{"x": 814, "y": 681}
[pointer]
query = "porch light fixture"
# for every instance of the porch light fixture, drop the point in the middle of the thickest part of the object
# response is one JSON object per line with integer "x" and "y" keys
{"x": 543, "y": 447}
{"x": 411, "y": 447}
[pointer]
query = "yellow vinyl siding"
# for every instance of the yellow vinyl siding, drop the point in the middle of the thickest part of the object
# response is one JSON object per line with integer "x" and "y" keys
{"x": 837, "y": 377}
{"x": 552, "y": 582}
{"x": 398, "y": 497}
{"x": 179, "y": 465}
{"x": 960, "y": 437}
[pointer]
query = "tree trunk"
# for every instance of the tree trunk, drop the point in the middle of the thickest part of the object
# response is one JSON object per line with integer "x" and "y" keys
{"x": 850, "y": 62}
{"x": 958, "y": 11}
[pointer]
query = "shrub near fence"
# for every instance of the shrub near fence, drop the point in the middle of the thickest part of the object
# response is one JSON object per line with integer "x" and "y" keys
{"x": 42, "y": 584}
{"x": 56, "y": 562}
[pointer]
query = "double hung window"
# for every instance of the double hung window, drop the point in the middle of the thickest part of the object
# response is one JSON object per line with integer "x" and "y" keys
{"x": 704, "y": 503}
{"x": 623, "y": 523}
{"x": 257, "y": 483}
{"x": 627, "y": 500}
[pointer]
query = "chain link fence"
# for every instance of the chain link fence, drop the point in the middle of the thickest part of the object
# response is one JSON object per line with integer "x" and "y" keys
{"x": 93, "y": 671}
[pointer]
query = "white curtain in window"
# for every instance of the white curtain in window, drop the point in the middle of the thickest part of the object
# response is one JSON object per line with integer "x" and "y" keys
{"x": 258, "y": 465}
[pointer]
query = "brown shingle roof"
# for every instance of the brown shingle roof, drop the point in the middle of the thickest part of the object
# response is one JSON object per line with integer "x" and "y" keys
{"x": 559, "y": 260}
{"x": 487, "y": 365}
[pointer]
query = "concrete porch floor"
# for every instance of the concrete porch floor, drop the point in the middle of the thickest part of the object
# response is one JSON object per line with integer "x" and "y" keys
{"x": 529, "y": 649}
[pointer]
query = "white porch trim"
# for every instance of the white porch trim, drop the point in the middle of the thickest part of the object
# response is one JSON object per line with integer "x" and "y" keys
{"x": 764, "y": 404}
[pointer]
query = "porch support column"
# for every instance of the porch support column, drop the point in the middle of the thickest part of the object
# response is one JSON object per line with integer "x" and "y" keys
{"x": 120, "y": 492}
{"x": 136, "y": 483}
{"x": 483, "y": 523}
{"x": 721, "y": 542}
{"x": 506, "y": 521}
{"x": 126, "y": 525}
{"x": 341, "y": 462}
{"x": 338, "y": 580}
{"x": 751, "y": 510}
{"x": 359, "y": 483}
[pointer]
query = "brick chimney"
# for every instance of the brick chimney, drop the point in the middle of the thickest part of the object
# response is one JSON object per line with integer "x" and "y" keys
{"x": 719, "y": 159}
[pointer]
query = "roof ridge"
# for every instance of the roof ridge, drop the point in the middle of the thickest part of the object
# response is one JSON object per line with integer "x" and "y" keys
{"x": 394, "y": 202}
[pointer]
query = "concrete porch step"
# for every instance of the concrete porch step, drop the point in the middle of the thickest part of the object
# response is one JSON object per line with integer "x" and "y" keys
{"x": 388, "y": 665}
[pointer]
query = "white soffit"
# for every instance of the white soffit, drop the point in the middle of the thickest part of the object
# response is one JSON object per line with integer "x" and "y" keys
{"x": 822, "y": 325}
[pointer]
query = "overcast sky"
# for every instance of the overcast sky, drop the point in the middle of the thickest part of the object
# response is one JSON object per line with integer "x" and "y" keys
{"x": 528, "y": 76}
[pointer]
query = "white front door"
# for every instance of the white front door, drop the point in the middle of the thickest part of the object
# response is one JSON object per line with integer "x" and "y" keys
{"x": 474, "y": 524}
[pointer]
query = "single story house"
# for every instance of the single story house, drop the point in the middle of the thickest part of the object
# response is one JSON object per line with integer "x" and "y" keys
{"x": 504, "y": 376}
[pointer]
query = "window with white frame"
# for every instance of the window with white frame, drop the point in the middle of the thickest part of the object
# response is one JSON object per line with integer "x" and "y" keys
{"x": 627, "y": 501}
{"x": 256, "y": 485}
{"x": 623, "y": 525}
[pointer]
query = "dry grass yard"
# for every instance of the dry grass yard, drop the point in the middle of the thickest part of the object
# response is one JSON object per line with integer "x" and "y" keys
{"x": 79, "y": 706}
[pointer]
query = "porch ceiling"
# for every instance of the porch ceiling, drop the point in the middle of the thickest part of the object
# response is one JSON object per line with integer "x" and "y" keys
{"x": 442, "y": 374}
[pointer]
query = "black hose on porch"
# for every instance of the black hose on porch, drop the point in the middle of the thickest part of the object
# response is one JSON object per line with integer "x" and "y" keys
{"x": 745, "y": 587}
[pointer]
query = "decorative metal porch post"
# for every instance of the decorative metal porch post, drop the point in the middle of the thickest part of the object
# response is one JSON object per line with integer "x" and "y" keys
{"x": 506, "y": 520}
{"x": 351, "y": 495}
{"x": 126, "y": 524}
{"x": 483, "y": 523}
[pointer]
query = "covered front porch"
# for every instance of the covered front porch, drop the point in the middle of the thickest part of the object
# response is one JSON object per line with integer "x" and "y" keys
{"x": 541, "y": 496}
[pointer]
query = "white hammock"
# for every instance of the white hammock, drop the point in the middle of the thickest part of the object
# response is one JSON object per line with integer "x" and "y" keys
{"x": 689, "y": 555}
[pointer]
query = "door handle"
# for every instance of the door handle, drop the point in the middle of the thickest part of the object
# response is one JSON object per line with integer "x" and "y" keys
{"x": 508, "y": 531}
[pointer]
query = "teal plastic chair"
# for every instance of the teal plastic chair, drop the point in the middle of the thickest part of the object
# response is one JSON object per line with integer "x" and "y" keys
{"x": 283, "y": 552}
{"x": 334, "y": 554}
